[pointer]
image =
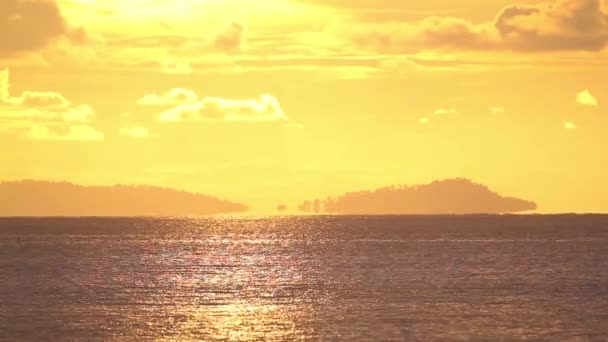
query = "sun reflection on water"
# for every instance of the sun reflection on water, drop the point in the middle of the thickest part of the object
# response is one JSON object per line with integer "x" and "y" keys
{"x": 238, "y": 322}
{"x": 240, "y": 286}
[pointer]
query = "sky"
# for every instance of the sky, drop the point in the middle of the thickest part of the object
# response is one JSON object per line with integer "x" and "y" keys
{"x": 275, "y": 101}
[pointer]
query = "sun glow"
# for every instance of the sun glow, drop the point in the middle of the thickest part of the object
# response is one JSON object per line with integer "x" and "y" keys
{"x": 298, "y": 99}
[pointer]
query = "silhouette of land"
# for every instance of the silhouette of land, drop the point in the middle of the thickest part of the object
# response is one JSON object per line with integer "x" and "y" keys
{"x": 42, "y": 198}
{"x": 452, "y": 196}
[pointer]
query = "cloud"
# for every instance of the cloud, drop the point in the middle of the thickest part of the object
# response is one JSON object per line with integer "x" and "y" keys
{"x": 80, "y": 113}
{"x": 45, "y": 115}
{"x": 437, "y": 114}
{"x": 430, "y": 32}
{"x": 177, "y": 68}
{"x": 43, "y": 105}
{"x": 136, "y": 132}
{"x": 63, "y": 133}
{"x": 294, "y": 125}
{"x": 39, "y": 100}
{"x": 560, "y": 25}
{"x": 231, "y": 39}
{"x": 570, "y": 125}
{"x": 586, "y": 98}
{"x": 266, "y": 108}
{"x": 424, "y": 120}
{"x": 187, "y": 107}
{"x": 444, "y": 111}
{"x": 175, "y": 96}
{"x": 149, "y": 41}
{"x": 76, "y": 114}
{"x": 31, "y": 25}
{"x": 175, "y": 53}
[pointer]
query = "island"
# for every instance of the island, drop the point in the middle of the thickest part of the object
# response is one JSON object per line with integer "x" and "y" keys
{"x": 44, "y": 198}
{"x": 450, "y": 196}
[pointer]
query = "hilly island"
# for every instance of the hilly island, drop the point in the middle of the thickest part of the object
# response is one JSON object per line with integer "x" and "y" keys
{"x": 42, "y": 198}
{"x": 451, "y": 196}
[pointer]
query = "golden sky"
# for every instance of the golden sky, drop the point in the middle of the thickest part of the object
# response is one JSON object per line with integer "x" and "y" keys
{"x": 275, "y": 101}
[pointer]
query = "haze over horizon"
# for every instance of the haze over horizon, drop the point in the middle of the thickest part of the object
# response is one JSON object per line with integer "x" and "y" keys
{"x": 452, "y": 196}
{"x": 277, "y": 101}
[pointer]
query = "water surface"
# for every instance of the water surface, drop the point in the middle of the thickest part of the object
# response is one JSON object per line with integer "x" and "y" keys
{"x": 476, "y": 278}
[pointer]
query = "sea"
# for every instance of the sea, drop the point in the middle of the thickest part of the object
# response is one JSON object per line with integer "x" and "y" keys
{"x": 305, "y": 278}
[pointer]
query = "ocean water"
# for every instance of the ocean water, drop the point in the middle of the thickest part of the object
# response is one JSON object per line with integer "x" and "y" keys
{"x": 472, "y": 278}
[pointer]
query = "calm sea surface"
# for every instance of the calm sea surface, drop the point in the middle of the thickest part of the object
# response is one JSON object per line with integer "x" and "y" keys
{"x": 483, "y": 278}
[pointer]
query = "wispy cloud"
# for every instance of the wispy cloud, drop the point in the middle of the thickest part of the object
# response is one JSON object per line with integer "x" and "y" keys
{"x": 177, "y": 68}
{"x": 135, "y": 132}
{"x": 63, "y": 133}
{"x": 437, "y": 115}
{"x": 175, "y": 96}
{"x": 445, "y": 111}
{"x": 186, "y": 106}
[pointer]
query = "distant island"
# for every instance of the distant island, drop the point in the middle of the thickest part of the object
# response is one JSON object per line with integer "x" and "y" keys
{"x": 42, "y": 198}
{"x": 451, "y": 196}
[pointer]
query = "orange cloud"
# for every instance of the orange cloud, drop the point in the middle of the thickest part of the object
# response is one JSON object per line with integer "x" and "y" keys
{"x": 31, "y": 25}
{"x": 232, "y": 39}
{"x": 433, "y": 32}
{"x": 561, "y": 25}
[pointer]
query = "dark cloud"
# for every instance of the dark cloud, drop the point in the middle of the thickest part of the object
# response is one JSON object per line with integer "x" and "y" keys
{"x": 31, "y": 25}
{"x": 577, "y": 25}
{"x": 165, "y": 41}
{"x": 562, "y": 25}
